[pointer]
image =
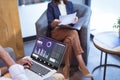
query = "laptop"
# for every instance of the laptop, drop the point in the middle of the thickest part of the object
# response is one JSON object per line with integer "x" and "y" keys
{"x": 46, "y": 56}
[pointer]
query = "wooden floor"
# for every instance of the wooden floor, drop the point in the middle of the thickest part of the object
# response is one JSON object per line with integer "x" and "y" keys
{"x": 93, "y": 61}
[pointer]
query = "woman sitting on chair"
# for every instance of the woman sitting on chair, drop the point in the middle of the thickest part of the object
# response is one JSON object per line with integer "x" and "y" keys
{"x": 68, "y": 36}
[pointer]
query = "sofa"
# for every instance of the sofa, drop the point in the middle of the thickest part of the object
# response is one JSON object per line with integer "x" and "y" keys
{"x": 83, "y": 11}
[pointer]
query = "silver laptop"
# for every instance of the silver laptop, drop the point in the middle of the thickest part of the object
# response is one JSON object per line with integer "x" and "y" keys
{"x": 47, "y": 56}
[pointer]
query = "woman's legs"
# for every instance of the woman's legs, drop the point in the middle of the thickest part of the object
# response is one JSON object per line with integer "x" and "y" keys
{"x": 80, "y": 61}
{"x": 78, "y": 53}
{"x": 74, "y": 41}
{"x": 82, "y": 66}
{"x": 63, "y": 35}
{"x": 71, "y": 39}
{"x": 67, "y": 58}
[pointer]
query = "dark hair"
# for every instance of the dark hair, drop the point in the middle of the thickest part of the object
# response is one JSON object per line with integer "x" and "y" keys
{"x": 56, "y": 2}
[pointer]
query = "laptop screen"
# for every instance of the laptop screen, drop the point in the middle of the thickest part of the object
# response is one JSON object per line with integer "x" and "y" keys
{"x": 48, "y": 51}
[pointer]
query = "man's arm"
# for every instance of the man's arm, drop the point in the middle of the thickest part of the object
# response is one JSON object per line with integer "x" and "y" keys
{"x": 16, "y": 71}
{"x": 6, "y": 57}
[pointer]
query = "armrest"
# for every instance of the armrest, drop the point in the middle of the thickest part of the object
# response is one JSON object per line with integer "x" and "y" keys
{"x": 87, "y": 16}
{"x": 11, "y": 52}
{"x": 84, "y": 13}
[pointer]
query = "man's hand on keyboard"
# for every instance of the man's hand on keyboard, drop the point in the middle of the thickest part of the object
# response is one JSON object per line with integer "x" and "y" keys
{"x": 25, "y": 62}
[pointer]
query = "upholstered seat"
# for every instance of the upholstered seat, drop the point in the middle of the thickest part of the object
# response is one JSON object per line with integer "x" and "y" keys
{"x": 83, "y": 11}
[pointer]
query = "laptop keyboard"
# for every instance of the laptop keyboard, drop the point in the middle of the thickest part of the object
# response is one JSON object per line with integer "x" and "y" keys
{"x": 40, "y": 70}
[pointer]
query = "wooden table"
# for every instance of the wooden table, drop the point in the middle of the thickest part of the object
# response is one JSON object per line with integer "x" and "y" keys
{"x": 109, "y": 43}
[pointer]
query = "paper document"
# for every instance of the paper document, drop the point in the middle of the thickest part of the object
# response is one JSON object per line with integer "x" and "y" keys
{"x": 67, "y": 19}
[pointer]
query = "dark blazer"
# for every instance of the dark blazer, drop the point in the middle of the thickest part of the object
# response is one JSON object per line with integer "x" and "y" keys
{"x": 54, "y": 13}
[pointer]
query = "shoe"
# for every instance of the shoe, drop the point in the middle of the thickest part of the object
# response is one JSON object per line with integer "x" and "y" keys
{"x": 86, "y": 73}
{"x": 66, "y": 72}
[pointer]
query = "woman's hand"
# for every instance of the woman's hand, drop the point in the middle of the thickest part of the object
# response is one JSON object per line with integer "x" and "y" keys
{"x": 55, "y": 22}
{"x": 75, "y": 20}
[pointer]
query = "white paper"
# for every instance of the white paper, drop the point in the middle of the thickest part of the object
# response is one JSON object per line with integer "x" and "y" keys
{"x": 67, "y": 19}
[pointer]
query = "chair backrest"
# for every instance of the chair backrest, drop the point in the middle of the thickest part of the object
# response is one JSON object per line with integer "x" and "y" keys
{"x": 81, "y": 9}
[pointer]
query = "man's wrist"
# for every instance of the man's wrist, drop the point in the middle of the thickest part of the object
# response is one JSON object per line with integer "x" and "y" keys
{"x": 3, "y": 70}
{"x": 8, "y": 60}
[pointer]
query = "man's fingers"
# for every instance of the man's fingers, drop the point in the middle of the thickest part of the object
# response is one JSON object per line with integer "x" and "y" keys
{"x": 26, "y": 66}
{"x": 27, "y": 62}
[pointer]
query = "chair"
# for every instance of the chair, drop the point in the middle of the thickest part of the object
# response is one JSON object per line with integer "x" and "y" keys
{"x": 84, "y": 34}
